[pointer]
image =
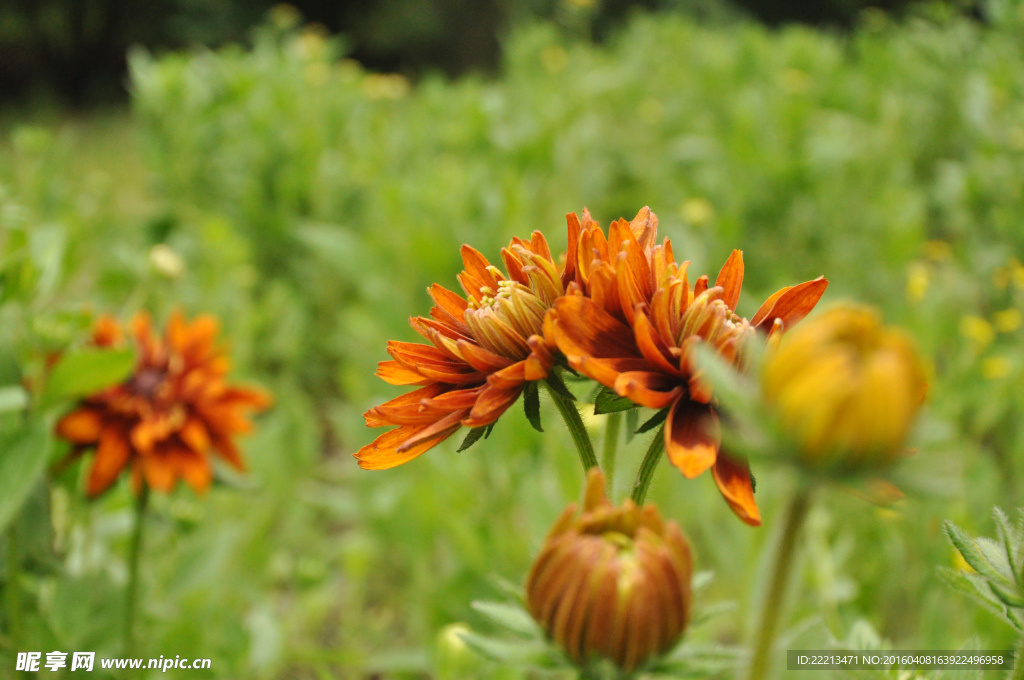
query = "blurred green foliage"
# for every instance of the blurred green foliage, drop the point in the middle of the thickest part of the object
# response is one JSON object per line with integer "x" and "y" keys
{"x": 308, "y": 203}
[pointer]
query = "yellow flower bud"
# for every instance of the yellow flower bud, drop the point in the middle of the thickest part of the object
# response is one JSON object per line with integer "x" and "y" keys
{"x": 845, "y": 388}
{"x": 612, "y": 583}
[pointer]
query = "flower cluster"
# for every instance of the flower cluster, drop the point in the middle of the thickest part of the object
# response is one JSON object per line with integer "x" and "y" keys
{"x": 170, "y": 416}
{"x": 618, "y": 309}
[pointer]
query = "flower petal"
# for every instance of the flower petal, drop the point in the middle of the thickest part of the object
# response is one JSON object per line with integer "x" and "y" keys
{"x": 395, "y": 373}
{"x": 692, "y": 437}
{"x": 492, "y": 403}
{"x": 111, "y": 456}
{"x": 382, "y": 453}
{"x": 81, "y": 427}
{"x": 732, "y": 475}
{"x": 790, "y": 304}
{"x": 583, "y": 328}
{"x": 653, "y": 390}
{"x": 730, "y": 278}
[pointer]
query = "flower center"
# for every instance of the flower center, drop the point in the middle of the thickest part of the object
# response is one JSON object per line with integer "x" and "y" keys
{"x": 146, "y": 382}
{"x": 709, "y": 318}
{"x": 503, "y": 320}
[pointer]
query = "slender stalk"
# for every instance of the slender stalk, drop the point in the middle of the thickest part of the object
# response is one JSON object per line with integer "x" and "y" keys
{"x": 12, "y": 586}
{"x": 141, "y": 504}
{"x": 577, "y": 430}
{"x": 647, "y": 466}
{"x": 774, "y": 600}
{"x": 1018, "y": 662}
{"x": 610, "y": 447}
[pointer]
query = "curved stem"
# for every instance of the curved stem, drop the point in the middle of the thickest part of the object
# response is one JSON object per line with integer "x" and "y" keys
{"x": 771, "y": 608}
{"x": 577, "y": 430}
{"x": 610, "y": 447}
{"x": 648, "y": 466}
{"x": 12, "y": 586}
{"x": 133, "y": 570}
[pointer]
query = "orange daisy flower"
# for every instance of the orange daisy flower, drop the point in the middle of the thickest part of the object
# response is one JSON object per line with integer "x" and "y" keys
{"x": 484, "y": 348}
{"x": 646, "y": 352}
{"x": 170, "y": 416}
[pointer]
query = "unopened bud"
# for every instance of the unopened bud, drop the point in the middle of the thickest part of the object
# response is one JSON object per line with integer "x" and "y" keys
{"x": 612, "y": 583}
{"x": 845, "y": 388}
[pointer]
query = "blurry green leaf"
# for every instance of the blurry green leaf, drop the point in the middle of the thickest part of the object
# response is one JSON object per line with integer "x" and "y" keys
{"x": 22, "y": 462}
{"x": 974, "y": 587}
{"x": 472, "y": 437}
{"x": 512, "y": 618}
{"x": 12, "y": 398}
{"x": 516, "y": 652}
{"x": 608, "y": 401}
{"x": 86, "y": 371}
{"x": 966, "y": 546}
{"x": 531, "y": 405}
{"x": 652, "y": 422}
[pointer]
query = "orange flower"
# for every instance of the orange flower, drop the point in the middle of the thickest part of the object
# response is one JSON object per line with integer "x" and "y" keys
{"x": 483, "y": 350}
{"x": 170, "y": 416}
{"x": 646, "y": 353}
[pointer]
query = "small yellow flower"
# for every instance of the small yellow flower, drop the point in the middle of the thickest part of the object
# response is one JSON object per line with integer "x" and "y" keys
{"x": 996, "y": 368}
{"x": 937, "y": 251}
{"x": 697, "y": 211}
{"x": 385, "y": 86}
{"x": 1008, "y": 320}
{"x": 918, "y": 279}
{"x": 977, "y": 329}
{"x": 846, "y": 388}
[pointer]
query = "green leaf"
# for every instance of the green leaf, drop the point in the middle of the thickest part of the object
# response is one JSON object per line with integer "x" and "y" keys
{"x": 22, "y": 462}
{"x": 970, "y": 552}
{"x": 652, "y": 422}
{"x": 609, "y": 402}
{"x": 13, "y": 398}
{"x": 555, "y": 383}
{"x": 515, "y": 652}
{"x": 975, "y": 589}
{"x": 531, "y": 405}
{"x": 487, "y": 430}
{"x": 87, "y": 371}
{"x": 509, "y": 617}
{"x": 473, "y": 436}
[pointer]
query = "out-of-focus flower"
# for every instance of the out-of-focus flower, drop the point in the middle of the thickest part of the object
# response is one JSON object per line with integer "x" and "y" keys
{"x": 1008, "y": 320}
{"x": 643, "y": 347}
{"x": 918, "y": 278}
{"x": 977, "y": 329}
{"x": 385, "y": 86}
{"x": 166, "y": 261}
{"x": 846, "y": 389}
{"x": 996, "y": 368}
{"x": 175, "y": 411}
{"x": 612, "y": 583}
{"x": 697, "y": 211}
{"x": 484, "y": 349}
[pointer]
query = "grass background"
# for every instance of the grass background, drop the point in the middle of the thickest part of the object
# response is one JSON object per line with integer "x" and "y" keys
{"x": 312, "y": 202}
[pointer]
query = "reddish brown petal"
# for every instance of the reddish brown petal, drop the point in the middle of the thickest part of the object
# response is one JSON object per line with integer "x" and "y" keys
{"x": 651, "y": 345}
{"x": 731, "y": 279}
{"x": 583, "y": 328}
{"x": 653, "y": 390}
{"x": 229, "y": 452}
{"x": 606, "y": 371}
{"x": 111, "y": 456}
{"x": 195, "y": 435}
{"x": 159, "y": 472}
{"x": 476, "y": 275}
{"x": 492, "y": 403}
{"x": 80, "y": 427}
{"x": 732, "y": 476}
{"x": 382, "y": 454}
{"x": 792, "y": 304}
{"x": 404, "y": 408}
{"x": 193, "y": 468}
{"x": 430, "y": 432}
{"x": 449, "y": 306}
{"x": 692, "y": 436}
{"x": 395, "y": 373}
{"x": 700, "y": 285}
{"x": 480, "y": 358}
{"x": 573, "y": 227}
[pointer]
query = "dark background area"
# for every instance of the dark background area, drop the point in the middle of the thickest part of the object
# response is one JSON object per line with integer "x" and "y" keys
{"x": 73, "y": 51}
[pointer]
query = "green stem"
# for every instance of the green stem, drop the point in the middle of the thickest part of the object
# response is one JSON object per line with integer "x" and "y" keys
{"x": 648, "y": 466}
{"x": 1018, "y": 662}
{"x": 771, "y": 608}
{"x": 577, "y": 430}
{"x": 610, "y": 447}
{"x": 133, "y": 570}
{"x": 12, "y": 586}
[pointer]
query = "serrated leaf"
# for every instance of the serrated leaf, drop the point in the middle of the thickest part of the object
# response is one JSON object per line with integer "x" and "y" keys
{"x": 632, "y": 418}
{"x": 995, "y": 554}
{"x": 509, "y": 617}
{"x": 1011, "y": 539}
{"x": 712, "y": 611}
{"x": 472, "y": 437}
{"x": 86, "y": 371}
{"x": 701, "y": 580}
{"x": 556, "y": 384}
{"x": 13, "y": 398}
{"x": 22, "y": 462}
{"x": 974, "y": 588}
{"x": 531, "y": 405}
{"x": 963, "y": 543}
{"x": 652, "y": 422}
{"x": 607, "y": 401}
